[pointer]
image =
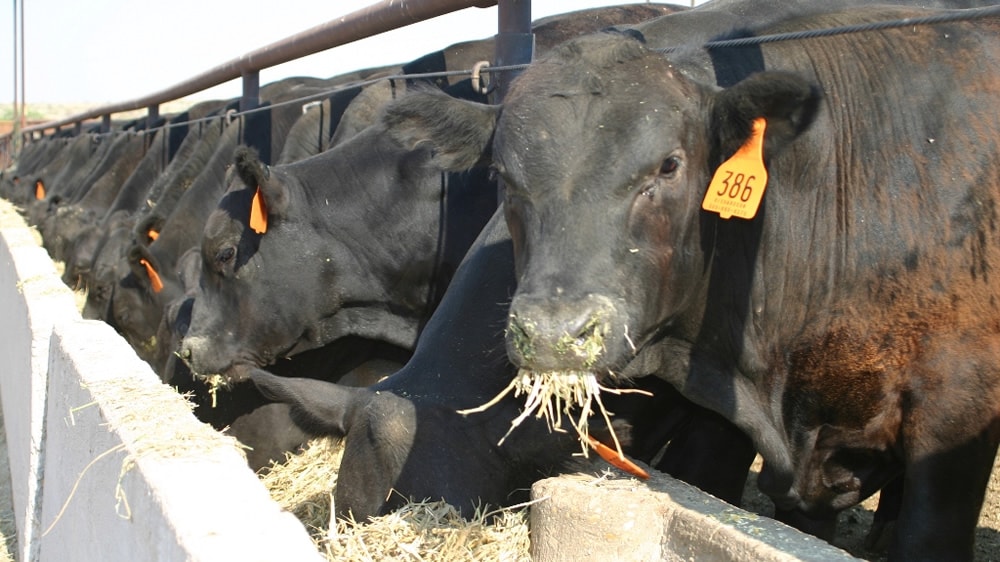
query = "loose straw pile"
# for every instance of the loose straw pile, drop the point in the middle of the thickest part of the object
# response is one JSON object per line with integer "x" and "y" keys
{"x": 432, "y": 531}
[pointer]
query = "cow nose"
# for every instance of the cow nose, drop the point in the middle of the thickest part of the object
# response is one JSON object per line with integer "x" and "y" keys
{"x": 550, "y": 334}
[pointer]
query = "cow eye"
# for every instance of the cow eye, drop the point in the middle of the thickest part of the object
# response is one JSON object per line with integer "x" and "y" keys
{"x": 225, "y": 255}
{"x": 669, "y": 166}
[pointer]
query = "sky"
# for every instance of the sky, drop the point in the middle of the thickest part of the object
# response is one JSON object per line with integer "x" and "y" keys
{"x": 109, "y": 51}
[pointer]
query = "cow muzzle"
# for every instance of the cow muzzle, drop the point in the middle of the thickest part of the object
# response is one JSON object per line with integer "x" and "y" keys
{"x": 556, "y": 334}
{"x": 195, "y": 352}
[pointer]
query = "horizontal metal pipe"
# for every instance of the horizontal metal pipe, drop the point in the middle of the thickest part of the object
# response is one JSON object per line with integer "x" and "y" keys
{"x": 373, "y": 20}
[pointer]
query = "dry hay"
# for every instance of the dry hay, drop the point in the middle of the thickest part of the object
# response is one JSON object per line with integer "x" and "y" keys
{"x": 553, "y": 394}
{"x": 428, "y": 531}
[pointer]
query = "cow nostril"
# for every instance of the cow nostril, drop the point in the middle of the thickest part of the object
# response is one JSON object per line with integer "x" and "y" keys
{"x": 585, "y": 340}
{"x": 521, "y": 334}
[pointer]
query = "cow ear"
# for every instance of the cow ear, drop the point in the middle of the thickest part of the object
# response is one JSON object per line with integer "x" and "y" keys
{"x": 787, "y": 102}
{"x": 148, "y": 229}
{"x": 145, "y": 267}
{"x": 459, "y": 132}
{"x": 270, "y": 198}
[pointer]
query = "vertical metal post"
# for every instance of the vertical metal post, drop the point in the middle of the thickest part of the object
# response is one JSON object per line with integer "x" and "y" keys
{"x": 24, "y": 98}
{"x": 13, "y": 113}
{"x": 152, "y": 115}
{"x": 251, "y": 90}
{"x": 106, "y": 123}
{"x": 515, "y": 42}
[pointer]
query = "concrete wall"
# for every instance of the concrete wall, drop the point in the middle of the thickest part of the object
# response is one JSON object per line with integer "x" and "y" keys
{"x": 616, "y": 518}
{"x": 106, "y": 462}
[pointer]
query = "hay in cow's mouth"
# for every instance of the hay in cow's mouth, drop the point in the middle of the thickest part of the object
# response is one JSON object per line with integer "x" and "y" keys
{"x": 213, "y": 381}
{"x": 551, "y": 394}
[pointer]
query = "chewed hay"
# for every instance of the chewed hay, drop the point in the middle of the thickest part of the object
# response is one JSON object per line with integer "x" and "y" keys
{"x": 549, "y": 395}
{"x": 304, "y": 485}
{"x": 553, "y": 394}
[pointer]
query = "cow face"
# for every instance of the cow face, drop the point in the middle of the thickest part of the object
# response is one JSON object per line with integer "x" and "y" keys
{"x": 606, "y": 150}
{"x": 239, "y": 318}
{"x": 356, "y": 242}
{"x": 606, "y": 155}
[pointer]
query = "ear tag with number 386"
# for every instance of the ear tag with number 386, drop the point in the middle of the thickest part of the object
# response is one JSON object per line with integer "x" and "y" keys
{"x": 738, "y": 185}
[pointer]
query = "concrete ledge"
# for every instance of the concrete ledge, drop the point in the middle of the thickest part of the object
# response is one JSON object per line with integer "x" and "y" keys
{"x": 130, "y": 474}
{"x": 618, "y": 518}
{"x": 107, "y": 463}
{"x": 32, "y": 299}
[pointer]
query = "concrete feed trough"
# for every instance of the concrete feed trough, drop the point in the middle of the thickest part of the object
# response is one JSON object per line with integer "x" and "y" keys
{"x": 107, "y": 463}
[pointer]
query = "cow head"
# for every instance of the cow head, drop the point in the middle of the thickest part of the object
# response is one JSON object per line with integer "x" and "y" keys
{"x": 606, "y": 150}
{"x": 229, "y": 283}
{"x": 350, "y": 248}
{"x": 136, "y": 303}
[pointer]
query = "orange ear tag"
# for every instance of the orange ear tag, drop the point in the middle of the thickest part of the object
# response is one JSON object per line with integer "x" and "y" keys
{"x": 153, "y": 235}
{"x": 39, "y": 190}
{"x": 258, "y": 213}
{"x": 738, "y": 185}
{"x": 611, "y": 456}
{"x": 154, "y": 278}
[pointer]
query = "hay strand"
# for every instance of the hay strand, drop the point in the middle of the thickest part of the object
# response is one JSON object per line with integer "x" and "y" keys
{"x": 552, "y": 394}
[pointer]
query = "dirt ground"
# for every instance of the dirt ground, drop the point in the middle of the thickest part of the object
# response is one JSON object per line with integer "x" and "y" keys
{"x": 854, "y": 523}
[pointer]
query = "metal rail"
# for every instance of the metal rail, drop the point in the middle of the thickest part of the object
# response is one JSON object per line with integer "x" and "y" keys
{"x": 373, "y": 20}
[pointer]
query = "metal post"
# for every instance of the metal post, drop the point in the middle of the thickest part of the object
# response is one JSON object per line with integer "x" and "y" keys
{"x": 152, "y": 115}
{"x": 13, "y": 113}
{"x": 515, "y": 42}
{"x": 106, "y": 123}
{"x": 24, "y": 98}
{"x": 251, "y": 90}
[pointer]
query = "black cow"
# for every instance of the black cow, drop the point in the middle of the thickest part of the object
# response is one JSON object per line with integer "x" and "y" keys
{"x": 36, "y": 159}
{"x": 132, "y": 196}
{"x": 373, "y": 231}
{"x": 138, "y": 300}
{"x": 850, "y": 326}
{"x": 109, "y": 264}
{"x": 404, "y": 436}
{"x": 65, "y": 223}
{"x": 349, "y": 278}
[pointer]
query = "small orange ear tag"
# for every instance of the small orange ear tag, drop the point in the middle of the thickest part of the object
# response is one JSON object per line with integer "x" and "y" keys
{"x": 153, "y": 235}
{"x": 738, "y": 185}
{"x": 39, "y": 190}
{"x": 154, "y": 278}
{"x": 258, "y": 213}
{"x": 611, "y": 455}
